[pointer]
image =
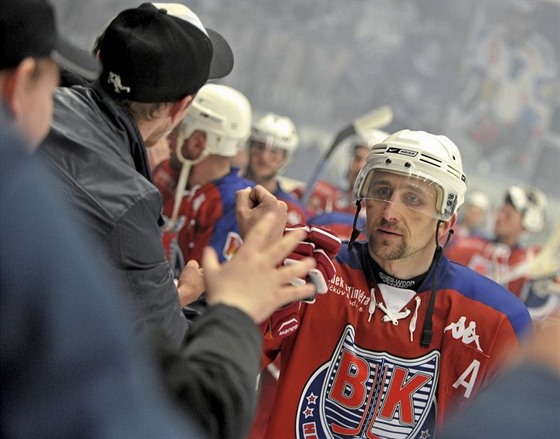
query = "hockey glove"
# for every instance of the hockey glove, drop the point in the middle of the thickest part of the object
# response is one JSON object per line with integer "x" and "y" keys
{"x": 322, "y": 244}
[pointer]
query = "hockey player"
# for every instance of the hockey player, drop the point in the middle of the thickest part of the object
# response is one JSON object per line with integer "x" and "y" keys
{"x": 522, "y": 212}
{"x": 217, "y": 124}
{"x": 336, "y": 205}
{"x": 273, "y": 141}
{"x": 403, "y": 336}
{"x": 473, "y": 216}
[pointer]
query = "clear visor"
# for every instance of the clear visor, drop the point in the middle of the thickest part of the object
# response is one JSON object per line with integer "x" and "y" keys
{"x": 408, "y": 191}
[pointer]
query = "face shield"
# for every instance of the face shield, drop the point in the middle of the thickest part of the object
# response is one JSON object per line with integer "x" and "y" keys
{"x": 407, "y": 191}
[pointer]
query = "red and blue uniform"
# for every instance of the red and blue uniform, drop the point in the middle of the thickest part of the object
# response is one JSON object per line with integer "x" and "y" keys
{"x": 296, "y": 212}
{"x": 351, "y": 371}
{"x": 492, "y": 259}
{"x": 209, "y": 212}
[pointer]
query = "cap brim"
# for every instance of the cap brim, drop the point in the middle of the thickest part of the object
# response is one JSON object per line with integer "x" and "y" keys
{"x": 222, "y": 58}
{"x": 76, "y": 60}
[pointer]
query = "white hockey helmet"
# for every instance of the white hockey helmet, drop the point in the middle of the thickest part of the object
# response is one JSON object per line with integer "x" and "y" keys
{"x": 423, "y": 156}
{"x": 532, "y": 204}
{"x": 276, "y": 131}
{"x": 224, "y": 114}
{"x": 478, "y": 199}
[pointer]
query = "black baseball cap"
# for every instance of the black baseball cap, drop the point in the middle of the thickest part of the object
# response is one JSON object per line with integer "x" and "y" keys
{"x": 160, "y": 52}
{"x": 28, "y": 29}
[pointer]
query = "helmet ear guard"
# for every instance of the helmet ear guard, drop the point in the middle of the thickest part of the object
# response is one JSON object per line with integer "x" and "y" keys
{"x": 422, "y": 156}
{"x": 532, "y": 204}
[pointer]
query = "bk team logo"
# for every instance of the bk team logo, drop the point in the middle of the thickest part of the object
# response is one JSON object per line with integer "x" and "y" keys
{"x": 362, "y": 394}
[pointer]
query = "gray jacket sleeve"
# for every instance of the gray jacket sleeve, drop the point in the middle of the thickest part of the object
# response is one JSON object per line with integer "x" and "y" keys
{"x": 138, "y": 254}
{"x": 214, "y": 377}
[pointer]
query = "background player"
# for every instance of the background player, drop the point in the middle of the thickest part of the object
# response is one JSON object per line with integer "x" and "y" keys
{"x": 273, "y": 141}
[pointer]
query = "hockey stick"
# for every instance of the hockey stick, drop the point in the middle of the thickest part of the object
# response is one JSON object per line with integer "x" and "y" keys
{"x": 545, "y": 263}
{"x": 378, "y": 118}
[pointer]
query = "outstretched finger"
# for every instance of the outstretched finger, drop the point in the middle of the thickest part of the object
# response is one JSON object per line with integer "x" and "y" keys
{"x": 293, "y": 293}
{"x": 296, "y": 269}
{"x": 280, "y": 249}
{"x": 210, "y": 261}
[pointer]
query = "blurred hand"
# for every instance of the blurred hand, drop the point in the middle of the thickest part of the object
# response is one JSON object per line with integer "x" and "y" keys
{"x": 252, "y": 204}
{"x": 545, "y": 344}
{"x": 191, "y": 283}
{"x": 252, "y": 280}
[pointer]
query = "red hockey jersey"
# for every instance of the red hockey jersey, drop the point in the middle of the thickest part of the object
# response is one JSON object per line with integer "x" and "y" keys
{"x": 208, "y": 211}
{"x": 349, "y": 371}
{"x": 492, "y": 259}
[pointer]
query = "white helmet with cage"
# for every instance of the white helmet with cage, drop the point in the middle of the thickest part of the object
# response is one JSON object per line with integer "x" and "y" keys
{"x": 532, "y": 204}
{"x": 224, "y": 114}
{"x": 433, "y": 159}
{"x": 276, "y": 131}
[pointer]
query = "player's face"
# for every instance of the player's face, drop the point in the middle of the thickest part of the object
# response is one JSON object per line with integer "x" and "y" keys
{"x": 398, "y": 227}
{"x": 265, "y": 160}
{"x": 508, "y": 226}
{"x": 473, "y": 216}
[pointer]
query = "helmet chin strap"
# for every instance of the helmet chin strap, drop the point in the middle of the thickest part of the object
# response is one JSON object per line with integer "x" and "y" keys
{"x": 355, "y": 231}
{"x": 183, "y": 178}
{"x": 427, "y": 330}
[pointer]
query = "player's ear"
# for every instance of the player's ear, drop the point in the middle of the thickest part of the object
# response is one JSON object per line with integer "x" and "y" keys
{"x": 451, "y": 223}
{"x": 14, "y": 83}
{"x": 445, "y": 226}
{"x": 199, "y": 141}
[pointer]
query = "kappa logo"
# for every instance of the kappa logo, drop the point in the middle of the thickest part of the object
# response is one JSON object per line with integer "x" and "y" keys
{"x": 117, "y": 83}
{"x": 466, "y": 333}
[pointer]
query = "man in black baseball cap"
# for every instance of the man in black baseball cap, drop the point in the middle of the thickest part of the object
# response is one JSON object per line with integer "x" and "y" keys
{"x": 28, "y": 29}
{"x": 155, "y": 58}
{"x": 160, "y": 52}
{"x": 30, "y": 53}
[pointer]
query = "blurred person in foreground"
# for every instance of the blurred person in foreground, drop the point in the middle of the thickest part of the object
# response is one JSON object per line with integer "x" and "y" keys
{"x": 403, "y": 336}
{"x": 71, "y": 366}
{"x": 525, "y": 401}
